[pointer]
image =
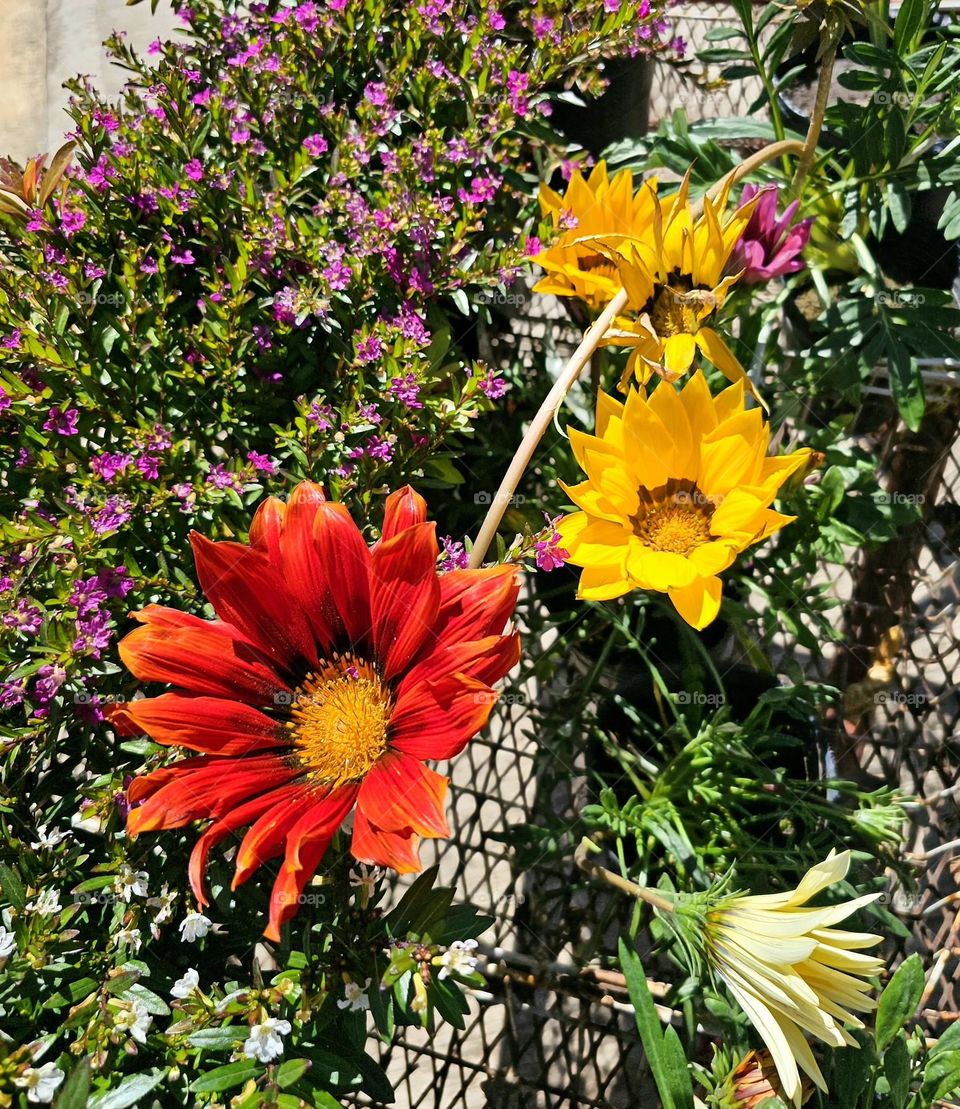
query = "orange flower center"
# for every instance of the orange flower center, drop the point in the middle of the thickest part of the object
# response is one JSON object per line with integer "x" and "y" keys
{"x": 340, "y": 718}
{"x": 675, "y": 518}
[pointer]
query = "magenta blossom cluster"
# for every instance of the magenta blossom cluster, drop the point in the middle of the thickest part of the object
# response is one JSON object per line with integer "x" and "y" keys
{"x": 769, "y": 247}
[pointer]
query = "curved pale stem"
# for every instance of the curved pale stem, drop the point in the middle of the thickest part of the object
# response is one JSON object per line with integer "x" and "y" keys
{"x": 641, "y": 893}
{"x": 539, "y": 424}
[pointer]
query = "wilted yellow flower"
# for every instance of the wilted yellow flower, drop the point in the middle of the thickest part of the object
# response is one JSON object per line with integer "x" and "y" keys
{"x": 595, "y": 206}
{"x": 791, "y": 971}
{"x": 677, "y": 485}
{"x": 676, "y": 279}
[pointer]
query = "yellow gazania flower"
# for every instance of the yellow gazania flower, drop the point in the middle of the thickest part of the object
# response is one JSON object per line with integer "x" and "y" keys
{"x": 677, "y": 485}
{"x": 595, "y": 206}
{"x": 792, "y": 972}
{"x": 675, "y": 278}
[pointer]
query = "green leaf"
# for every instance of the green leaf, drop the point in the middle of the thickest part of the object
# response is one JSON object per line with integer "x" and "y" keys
{"x": 941, "y": 1079}
{"x": 906, "y": 384}
{"x": 131, "y": 1091}
{"x": 290, "y": 1071}
{"x": 212, "y": 1038}
{"x": 648, "y": 1023}
{"x": 677, "y": 1069}
{"x": 949, "y": 1041}
{"x": 12, "y": 888}
{"x": 899, "y": 1000}
{"x": 852, "y": 1067}
{"x": 226, "y": 1077}
{"x": 73, "y": 1093}
{"x": 896, "y": 1070}
{"x": 910, "y": 21}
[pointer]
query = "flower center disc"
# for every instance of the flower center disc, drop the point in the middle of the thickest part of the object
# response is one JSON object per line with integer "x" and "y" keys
{"x": 339, "y": 719}
{"x": 675, "y": 518}
{"x": 674, "y": 309}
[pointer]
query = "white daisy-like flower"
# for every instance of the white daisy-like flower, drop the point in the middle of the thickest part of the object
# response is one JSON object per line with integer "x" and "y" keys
{"x": 41, "y": 1083}
{"x": 130, "y": 882}
{"x": 194, "y": 926}
{"x": 47, "y": 838}
{"x": 364, "y": 881}
{"x": 184, "y": 987}
{"x": 46, "y": 904}
{"x": 135, "y": 1019}
{"x": 129, "y": 937}
{"x": 355, "y": 996}
{"x": 8, "y": 943}
{"x": 264, "y": 1042}
{"x": 458, "y": 958}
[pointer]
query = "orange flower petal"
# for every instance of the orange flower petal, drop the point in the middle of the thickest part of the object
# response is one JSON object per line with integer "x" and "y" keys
{"x": 247, "y": 592}
{"x": 209, "y": 724}
{"x": 476, "y": 603}
{"x": 399, "y": 850}
{"x": 435, "y": 720}
{"x": 265, "y": 529}
{"x": 345, "y": 558}
{"x": 404, "y": 509}
{"x": 404, "y": 596}
{"x": 400, "y": 792}
{"x": 205, "y": 658}
{"x": 303, "y": 572}
{"x": 307, "y": 843}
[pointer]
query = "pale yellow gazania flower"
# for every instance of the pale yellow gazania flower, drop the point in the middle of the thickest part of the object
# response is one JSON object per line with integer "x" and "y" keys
{"x": 595, "y": 206}
{"x": 678, "y": 484}
{"x": 792, "y": 972}
{"x": 675, "y": 276}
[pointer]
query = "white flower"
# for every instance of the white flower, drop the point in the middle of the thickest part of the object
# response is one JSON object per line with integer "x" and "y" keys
{"x": 47, "y": 903}
{"x": 41, "y": 1083}
{"x": 129, "y": 882}
{"x": 47, "y": 839}
{"x": 457, "y": 959}
{"x": 194, "y": 926}
{"x": 163, "y": 904}
{"x": 184, "y": 987}
{"x": 355, "y": 996}
{"x": 264, "y": 1041}
{"x": 365, "y": 882}
{"x": 134, "y": 1019}
{"x": 129, "y": 937}
{"x": 8, "y": 943}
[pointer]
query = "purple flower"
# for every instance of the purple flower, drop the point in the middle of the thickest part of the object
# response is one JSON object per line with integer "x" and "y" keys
{"x": 25, "y": 618}
{"x": 261, "y": 463}
{"x": 62, "y": 421}
{"x": 406, "y": 390}
{"x": 368, "y": 350}
{"x": 549, "y": 554}
{"x": 454, "y": 555}
{"x": 11, "y": 341}
{"x": 116, "y": 511}
{"x": 72, "y": 221}
{"x": 108, "y": 466}
{"x": 194, "y": 170}
{"x": 769, "y": 247}
{"x": 149, "y": 265}
{"x": 182, "y": 258}
{"x": 5, "y": 401}
{"x": 315, "y": 145}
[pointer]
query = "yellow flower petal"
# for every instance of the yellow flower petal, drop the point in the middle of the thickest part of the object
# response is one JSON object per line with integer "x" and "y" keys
{"x": 699, "y": 602}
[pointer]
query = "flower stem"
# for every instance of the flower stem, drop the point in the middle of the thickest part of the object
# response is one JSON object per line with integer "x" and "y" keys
{"x": 816, "y": 120}
{"x": 538, "y": 426}
{"x": 641, "y": 893}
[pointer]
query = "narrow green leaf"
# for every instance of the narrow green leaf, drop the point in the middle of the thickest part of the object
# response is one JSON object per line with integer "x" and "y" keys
{"x": 131, "y": 1091}
{"x": 899, "y": 1001}
{"x": 648, "y": 1023}
{"x": 73, "y": 1093}
{"x": 226, "y": 1077}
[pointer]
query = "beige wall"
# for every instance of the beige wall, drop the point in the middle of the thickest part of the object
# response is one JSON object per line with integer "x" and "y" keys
{"x": 42, "y": 43}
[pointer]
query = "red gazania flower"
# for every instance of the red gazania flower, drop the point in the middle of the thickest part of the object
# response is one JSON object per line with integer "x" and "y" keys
{"x": 332, "y": 673}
